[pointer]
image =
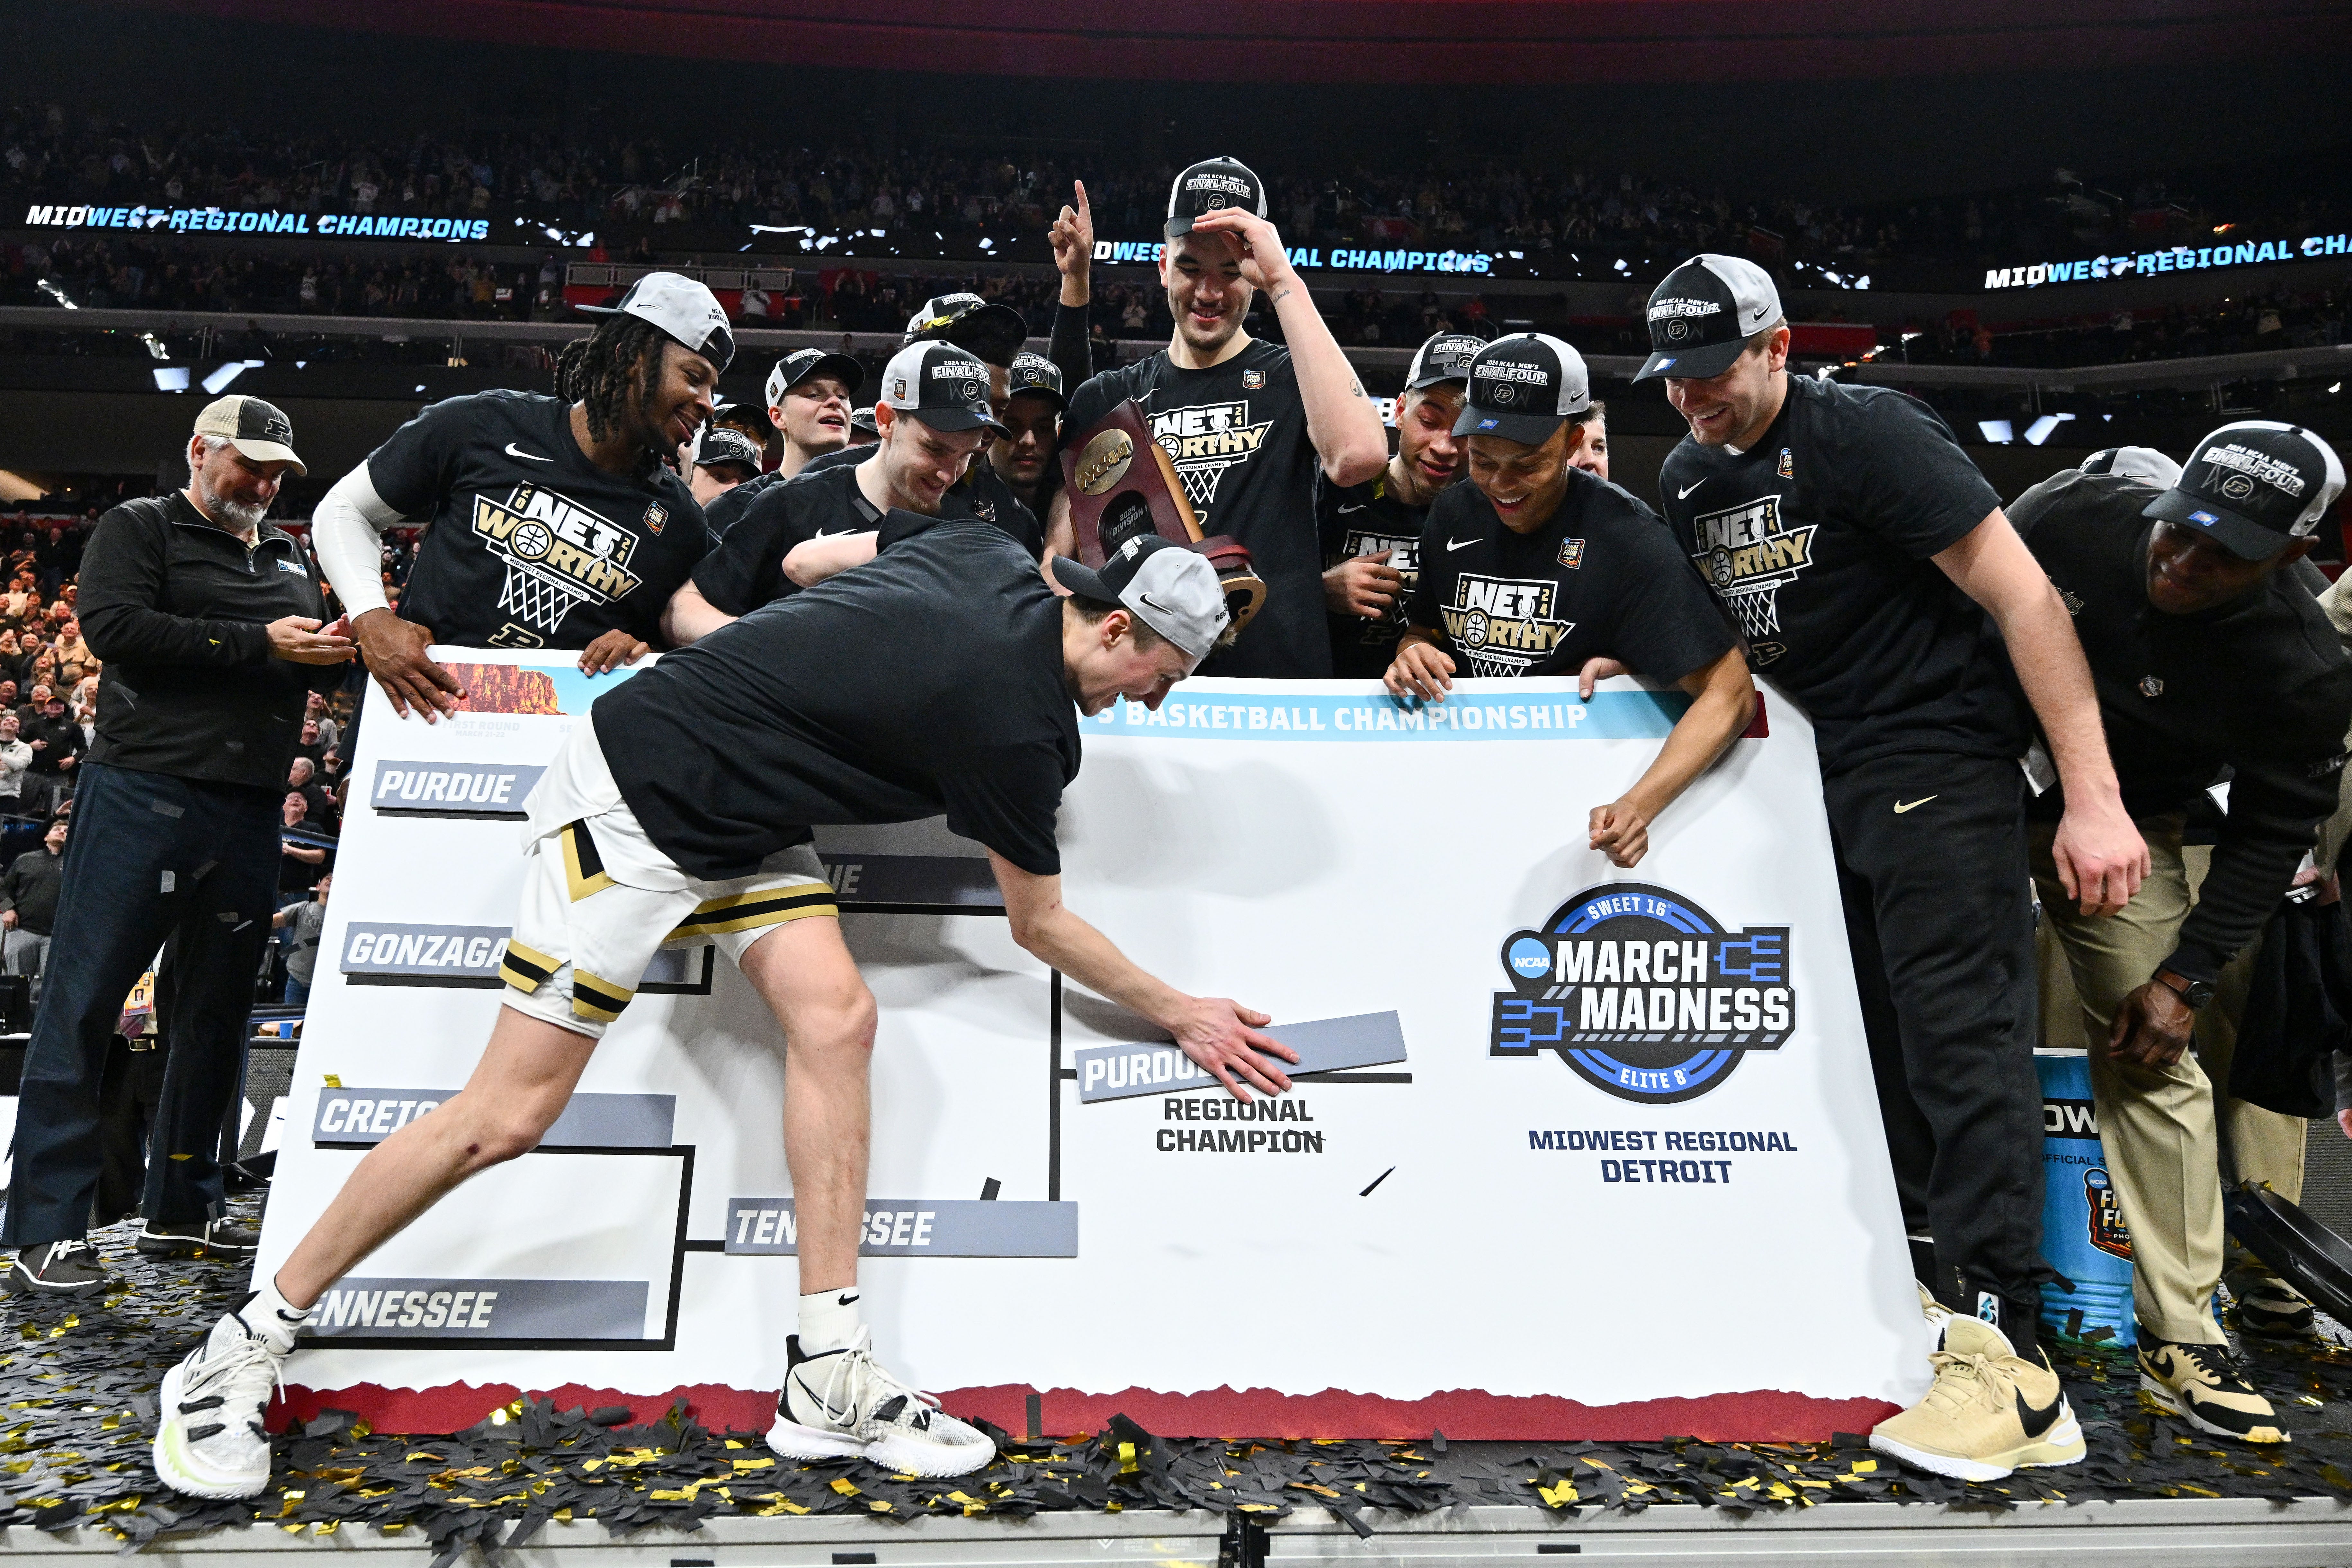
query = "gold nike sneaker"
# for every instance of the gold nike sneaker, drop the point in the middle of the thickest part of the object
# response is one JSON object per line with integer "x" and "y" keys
{"x": 1990, "y": 1411}
{"x": 2199, "y": 1384}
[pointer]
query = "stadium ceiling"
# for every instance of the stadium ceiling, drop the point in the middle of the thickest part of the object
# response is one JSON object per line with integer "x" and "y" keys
{"x": 1369, "y": 41}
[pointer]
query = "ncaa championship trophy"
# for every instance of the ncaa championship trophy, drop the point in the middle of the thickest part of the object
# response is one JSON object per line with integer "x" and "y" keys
{"x": 1114, "y": 499}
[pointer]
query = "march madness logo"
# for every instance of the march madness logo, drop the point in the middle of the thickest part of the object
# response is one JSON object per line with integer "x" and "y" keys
{"x": 1503, "y": 623}
{"x": 1644, "y": 994}
{"x": 1205, "y": 440}
{"x": 557, "y": 554}
{"x": 1749, "y": 556}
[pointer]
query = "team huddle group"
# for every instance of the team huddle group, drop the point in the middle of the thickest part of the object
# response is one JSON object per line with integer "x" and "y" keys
{"x": 2005, "y": 700}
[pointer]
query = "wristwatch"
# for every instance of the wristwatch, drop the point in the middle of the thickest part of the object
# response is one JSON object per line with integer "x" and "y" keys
{"x": 2194, "y": 993}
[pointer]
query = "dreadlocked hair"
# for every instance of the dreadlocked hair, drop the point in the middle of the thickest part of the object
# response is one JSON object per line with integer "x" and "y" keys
{"x": 597, "y": 371}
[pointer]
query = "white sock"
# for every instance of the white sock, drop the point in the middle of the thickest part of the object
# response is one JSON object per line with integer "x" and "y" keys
{"x": 829, "y": 1320}
{"x": 274, "y": 1318}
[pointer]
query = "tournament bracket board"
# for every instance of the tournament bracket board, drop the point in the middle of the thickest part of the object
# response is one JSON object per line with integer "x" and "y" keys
{"x": 1590, "y": 1152}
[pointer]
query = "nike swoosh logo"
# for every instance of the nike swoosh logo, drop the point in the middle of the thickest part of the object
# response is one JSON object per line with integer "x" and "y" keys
{"x": 838, "y": 533}
{"x": 1359, "y": 506}
{"x": 1903, "y": 806}
{"x": 1686, "y": 489}
{"x": 514, "y": 451}
{"x": 1459, "y": 544}
{"x": 2037, "y": 1422}
{"x": 844, "y": 1412}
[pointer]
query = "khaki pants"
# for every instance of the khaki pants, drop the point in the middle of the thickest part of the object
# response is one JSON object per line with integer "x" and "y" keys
{"x": 2257, "y": 1146}
{"x": 2156, "y": 1124}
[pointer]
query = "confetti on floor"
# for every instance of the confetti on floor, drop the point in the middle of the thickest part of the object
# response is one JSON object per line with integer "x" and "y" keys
{"x": 78, "y": 1383}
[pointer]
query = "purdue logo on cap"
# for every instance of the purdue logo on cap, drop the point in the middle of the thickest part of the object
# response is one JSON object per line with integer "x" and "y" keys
{"x": 1502, "y": 393}
{"x": 2237, "y": 486}
{"x": 1677, "y": 330}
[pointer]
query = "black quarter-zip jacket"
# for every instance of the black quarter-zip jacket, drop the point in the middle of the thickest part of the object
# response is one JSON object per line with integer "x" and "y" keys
{"x": 2260, "y": 687}
{"x": 178, "y": 610}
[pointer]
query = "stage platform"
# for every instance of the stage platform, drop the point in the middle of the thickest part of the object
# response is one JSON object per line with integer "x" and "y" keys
{"x": 2229, "y": 1533}
{"x": 535, "y": 1486}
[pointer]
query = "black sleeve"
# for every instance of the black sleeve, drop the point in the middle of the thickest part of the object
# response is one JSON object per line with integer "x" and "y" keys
{"x": 415, "y": 468}
{"x": 723, "y": 510}
{"x": 1095, "y": 397}
{"x": 1435, "y": 580}
{"x": 1021, "y": 523}
{"x": 1668, "y": 623}
{"x": 1910, "y": 482}
{"x": 122, "y": 583}
{"x": 747, "y": 568}
{"x": 1068, "y": 348}
{"x": 1007, "y": 798}
{"x": 899, "y": 525}
{"x": 692, "y": 546}
{"x": 2276, "y": 804}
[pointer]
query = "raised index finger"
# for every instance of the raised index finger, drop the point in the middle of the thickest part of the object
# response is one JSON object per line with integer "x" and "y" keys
{"x": 1085, "y": 214}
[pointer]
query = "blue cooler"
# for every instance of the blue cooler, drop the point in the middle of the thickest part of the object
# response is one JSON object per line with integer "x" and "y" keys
{"x": 2082, "y": 1232}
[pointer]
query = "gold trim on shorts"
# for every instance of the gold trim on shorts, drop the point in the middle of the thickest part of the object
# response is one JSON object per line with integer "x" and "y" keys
{"x": 526, "y": 969}
{"x": 598, "y": 999}
{"x": 583, "y": 868}
{"x": 747, "y": 911}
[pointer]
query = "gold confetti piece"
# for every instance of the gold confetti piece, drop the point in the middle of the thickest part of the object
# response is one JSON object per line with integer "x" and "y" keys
{"x": 846, "y": 1489}
{"x": 753, "y": 1464}
{"x": 1559, "y": 1496}
{"x": 334, "y": 1081}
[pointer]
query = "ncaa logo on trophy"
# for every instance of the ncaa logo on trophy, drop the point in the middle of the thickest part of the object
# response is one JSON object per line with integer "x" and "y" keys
{"x": 1643, "y": 994}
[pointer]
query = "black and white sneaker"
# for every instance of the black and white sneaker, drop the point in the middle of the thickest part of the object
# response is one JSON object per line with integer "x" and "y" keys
{"x": 190, "y": 1238}
{"x": 840, "y": 1403}
{"x": 55, "y": 1269}
{"x": 211, "y": 1441}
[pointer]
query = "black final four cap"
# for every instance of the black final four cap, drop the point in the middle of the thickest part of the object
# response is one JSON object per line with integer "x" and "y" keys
{"x": 1036, "y": 373}
{"x": 2253, "y": 487}
{"x": 1704, "y": 313}
{"x": 1523, "y": 388}
{"x": 1212, "y": 186}
{"x": 994, "y": 331}
{"x": 942, "y": 385}
{"x": 1445, "y": 358}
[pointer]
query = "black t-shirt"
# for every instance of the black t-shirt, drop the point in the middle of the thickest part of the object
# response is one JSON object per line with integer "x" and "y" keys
{"x": 981, "y": 493}
{"x": 1818, "y": 539}
{"x": 729, "y": 506}
{"x": 2260, "y": 688}
{"x": 532, "y": 545}
{"x": 1602, "y": 577}
{"x": 1365, "y": 519}
{"x": 1237, "y": 434}
{"x": 747, "y": 568}
{"x": 928, "y": 680}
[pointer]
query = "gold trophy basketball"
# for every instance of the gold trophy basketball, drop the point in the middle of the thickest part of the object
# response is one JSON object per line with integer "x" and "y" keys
{"x": 1115, "y": 494}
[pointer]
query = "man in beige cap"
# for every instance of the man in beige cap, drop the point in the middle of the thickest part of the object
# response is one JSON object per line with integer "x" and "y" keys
{"x": 209, "y": 622}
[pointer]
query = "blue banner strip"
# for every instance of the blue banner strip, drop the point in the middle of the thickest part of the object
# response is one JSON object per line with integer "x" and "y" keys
{"x": 1605, "y": 715}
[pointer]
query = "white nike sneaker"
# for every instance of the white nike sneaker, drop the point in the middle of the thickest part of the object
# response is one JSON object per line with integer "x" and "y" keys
{"x": 841, "y": 1402}
{"x": 212, "y": 1442}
